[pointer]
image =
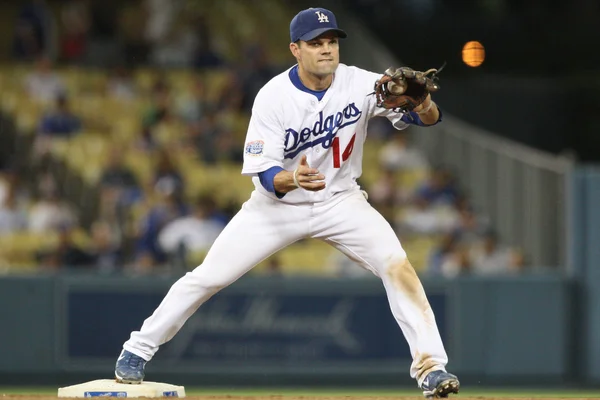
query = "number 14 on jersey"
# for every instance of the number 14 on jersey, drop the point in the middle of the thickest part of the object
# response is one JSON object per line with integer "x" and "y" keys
{"x": 338, "y": 158}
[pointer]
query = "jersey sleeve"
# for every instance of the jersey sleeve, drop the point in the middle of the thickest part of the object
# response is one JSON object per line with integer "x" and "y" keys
{"x": 263, "y": 148}
{"x": 369, "y": 78}
{"x": 393, "y": 116}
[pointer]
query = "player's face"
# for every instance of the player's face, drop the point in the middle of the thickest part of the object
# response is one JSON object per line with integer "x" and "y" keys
{"x": 319, "y": 56}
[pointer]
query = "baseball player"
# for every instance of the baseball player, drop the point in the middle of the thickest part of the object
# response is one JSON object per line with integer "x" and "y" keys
{"x": 304, "y": 151}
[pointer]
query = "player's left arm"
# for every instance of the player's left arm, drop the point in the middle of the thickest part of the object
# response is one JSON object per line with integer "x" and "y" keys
{"x": 428, "y": 112}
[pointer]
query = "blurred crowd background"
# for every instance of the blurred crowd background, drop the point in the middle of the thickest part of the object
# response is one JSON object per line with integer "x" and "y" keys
{"x": 122, "y": 137}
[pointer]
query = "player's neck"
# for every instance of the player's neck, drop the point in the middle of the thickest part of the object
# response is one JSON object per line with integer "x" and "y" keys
{"x": 314, "y": 82}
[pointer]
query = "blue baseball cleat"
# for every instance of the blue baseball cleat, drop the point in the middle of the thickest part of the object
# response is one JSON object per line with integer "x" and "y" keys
{"x": 439, "y": 384}
{"x": 130, "y": 368}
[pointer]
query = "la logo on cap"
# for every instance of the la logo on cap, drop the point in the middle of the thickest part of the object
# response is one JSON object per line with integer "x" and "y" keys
{"x": 322, "y": 17}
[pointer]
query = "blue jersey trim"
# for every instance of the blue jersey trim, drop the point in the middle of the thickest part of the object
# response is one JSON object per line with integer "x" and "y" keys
{"x": 266, "y": 180}
{"x": 295, "y": 78}
{"x": 414, "y": 119}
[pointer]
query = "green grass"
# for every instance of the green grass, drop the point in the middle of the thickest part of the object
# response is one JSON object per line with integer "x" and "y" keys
{"x": 466, "y": 392}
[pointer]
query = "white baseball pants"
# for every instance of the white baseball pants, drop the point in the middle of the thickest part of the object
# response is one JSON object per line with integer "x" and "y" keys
{"x": 262, "y": 227}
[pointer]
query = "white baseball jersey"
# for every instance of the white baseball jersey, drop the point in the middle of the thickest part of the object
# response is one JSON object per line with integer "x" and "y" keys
{"x": 287, "y": 123}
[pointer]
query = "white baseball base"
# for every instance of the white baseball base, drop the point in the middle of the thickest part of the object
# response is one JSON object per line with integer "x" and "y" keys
{"x": 111, "y": 388}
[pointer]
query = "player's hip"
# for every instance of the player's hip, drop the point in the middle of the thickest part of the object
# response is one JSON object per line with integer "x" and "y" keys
{"x": 300, "y": 197}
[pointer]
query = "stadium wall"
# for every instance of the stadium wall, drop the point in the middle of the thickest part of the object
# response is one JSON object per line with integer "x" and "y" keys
{"x": 585, "y": 242}
{"x": 286, "y": 331}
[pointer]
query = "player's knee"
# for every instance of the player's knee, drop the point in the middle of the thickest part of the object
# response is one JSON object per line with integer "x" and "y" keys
{"x": 393, "y": 260}
{"x": 401, "y": 270}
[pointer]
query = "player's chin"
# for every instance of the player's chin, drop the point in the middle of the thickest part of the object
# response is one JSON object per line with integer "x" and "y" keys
{"x": 325, "y": 68}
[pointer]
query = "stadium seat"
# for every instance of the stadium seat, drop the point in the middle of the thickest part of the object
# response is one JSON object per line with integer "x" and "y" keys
{"x": 110, "y": 122}
{"x": 18, "y": 250}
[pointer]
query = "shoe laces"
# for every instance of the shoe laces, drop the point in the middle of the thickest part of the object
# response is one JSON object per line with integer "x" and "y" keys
{"x": 135, "y": 361}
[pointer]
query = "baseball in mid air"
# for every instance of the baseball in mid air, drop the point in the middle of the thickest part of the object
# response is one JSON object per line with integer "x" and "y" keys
{"x": 473, "y": 54}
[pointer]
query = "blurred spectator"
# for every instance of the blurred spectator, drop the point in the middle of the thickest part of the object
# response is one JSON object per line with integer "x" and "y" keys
{"x": 10, "y": 184}
{"x": 5, "y": 185}
{"x": 385, "y": 195}
{"x": 205, "y": 54}
{"x": 67, "y": 254}
{"x": 120, "y": 84}
{"x": 76, "y": 20}
{"x": 380, "y": 130}
{"x": 192, "y": 105}
{"x": 228, "y": 149}
{"x": 106, "y": 248}
{"x": 470, "y": 228}
{"x": 160, "y": 16}
{"x": 169, "y": 206}
{"x": 255, "y": 74}
{"x": 205, "y": 136}
{"x": 160, "y": 107}
{"x": 118, "y": 176}
{"x": 440, "y": 188}
{"x": 60, "y": 121}
{"x": 227, "y": 210}
{"x": 145, "y": 142}
{"x": 232, "y": 94}
{"x": 13, "y": 216}
{"x": 43, "y": 84}
{"x": 439, "y": 255}
{"x": 456, "y": 262}
{"x": 398, "y": 154}
{"x": 119, "y": 190}
{"x": 424, "y": 217}
{"x": 167, "y": 177}
{"x": 131, "y": 22}
{"x": 34, "y": 30}
{"x": 214, "y": 213}
{"x": 491, "y": 258}
{"x": 160, "y": 84}
{"x": 50, "y": 213}
{"x": 195, "y": 232}
{"x": 178, "y": 47}
{"x": 170, "y": 33}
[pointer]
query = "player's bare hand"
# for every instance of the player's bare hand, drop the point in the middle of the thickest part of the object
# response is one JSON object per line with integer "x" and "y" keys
{"x": 309, "y": 178}
{"x": 303, "y": 177}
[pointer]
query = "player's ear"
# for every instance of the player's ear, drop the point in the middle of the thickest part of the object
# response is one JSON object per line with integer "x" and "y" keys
{"x": 295, "y": 49}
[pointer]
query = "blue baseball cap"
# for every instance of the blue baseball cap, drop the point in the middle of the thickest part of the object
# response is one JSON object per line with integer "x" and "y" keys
{"x": 312, "y": 22}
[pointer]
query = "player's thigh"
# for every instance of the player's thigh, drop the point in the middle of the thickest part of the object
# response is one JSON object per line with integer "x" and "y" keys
{"x": 261, "y": 228}
{"x": 359, "y": 231}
